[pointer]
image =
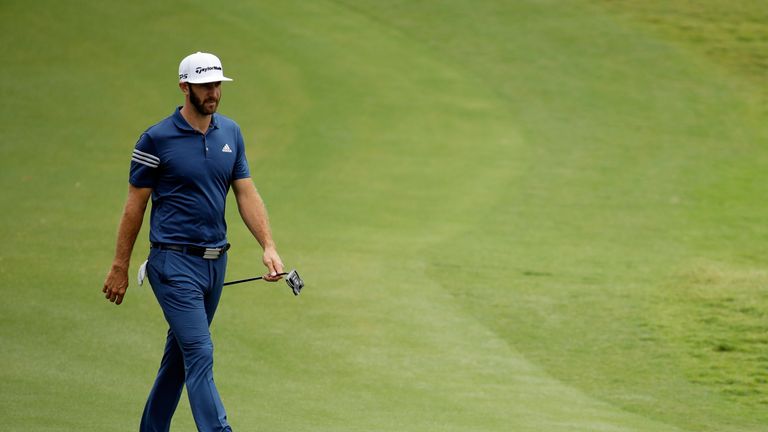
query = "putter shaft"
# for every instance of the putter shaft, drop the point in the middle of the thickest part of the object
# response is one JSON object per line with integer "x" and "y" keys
{"x": 249, "y": 279}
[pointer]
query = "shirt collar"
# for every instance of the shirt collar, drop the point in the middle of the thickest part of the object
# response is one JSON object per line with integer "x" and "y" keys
{"x": 182, "y": 124}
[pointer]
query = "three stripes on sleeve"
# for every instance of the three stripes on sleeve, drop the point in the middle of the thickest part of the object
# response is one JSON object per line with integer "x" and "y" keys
{"x": 145, "y": 159}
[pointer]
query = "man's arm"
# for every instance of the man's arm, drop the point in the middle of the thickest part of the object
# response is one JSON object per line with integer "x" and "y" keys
{"x": 254, "y": 214}
{"x": 133, "y": 215}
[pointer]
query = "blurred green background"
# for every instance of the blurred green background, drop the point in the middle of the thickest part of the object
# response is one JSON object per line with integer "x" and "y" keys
{"x": 510, "y": 216}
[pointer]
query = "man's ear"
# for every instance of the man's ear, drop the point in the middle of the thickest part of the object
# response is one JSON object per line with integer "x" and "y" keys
{"x": 184, "y": 87}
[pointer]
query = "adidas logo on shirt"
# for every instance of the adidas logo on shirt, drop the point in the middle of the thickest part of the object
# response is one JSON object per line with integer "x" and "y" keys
{"x": 226, "y": 149}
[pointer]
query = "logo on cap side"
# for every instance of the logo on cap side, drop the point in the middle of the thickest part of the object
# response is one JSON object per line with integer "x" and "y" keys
{"x": 200, "y": 69}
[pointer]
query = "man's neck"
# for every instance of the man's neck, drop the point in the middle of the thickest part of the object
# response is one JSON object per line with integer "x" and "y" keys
{"x": 199, "y": 122}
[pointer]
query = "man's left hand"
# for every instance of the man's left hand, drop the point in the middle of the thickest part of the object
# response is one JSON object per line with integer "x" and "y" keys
{"x": 273, "y": 263}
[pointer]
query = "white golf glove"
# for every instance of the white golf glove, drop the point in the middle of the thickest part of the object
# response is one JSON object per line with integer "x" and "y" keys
{"x": 142, "y": 272}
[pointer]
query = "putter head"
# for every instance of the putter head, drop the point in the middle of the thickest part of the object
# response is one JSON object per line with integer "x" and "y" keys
{"x": 294, "y": 281}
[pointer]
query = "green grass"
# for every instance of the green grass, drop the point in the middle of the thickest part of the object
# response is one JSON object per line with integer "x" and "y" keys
{"x": 718, "y": 309}
{"x": 731, "y": 34}
{"x": 529, "y": 216}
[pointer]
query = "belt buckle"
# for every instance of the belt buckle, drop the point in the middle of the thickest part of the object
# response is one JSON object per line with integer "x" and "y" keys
{"x": 212, "y": 253}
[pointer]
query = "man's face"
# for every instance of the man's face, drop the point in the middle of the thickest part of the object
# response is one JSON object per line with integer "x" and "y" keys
{"x": 205, "y": 97}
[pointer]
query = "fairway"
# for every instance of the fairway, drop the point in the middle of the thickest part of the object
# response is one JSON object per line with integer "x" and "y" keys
{"x": 509, "y": 215}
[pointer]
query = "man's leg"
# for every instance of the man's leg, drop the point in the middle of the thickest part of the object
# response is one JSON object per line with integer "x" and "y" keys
{"x": 182, "y": 297}
{"x": 211, "y": 295}
{"x": 166, "y": 392}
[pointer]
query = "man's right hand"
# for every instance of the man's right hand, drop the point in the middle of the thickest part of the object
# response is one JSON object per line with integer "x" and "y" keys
{"x": 116, "y": 284}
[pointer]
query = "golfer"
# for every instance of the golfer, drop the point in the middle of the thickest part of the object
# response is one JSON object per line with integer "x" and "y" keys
{"x": 187, "y": 163}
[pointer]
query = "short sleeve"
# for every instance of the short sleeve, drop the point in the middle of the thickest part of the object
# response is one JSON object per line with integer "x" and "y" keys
{"x": 144, "y": 163}
{"x": 240, "y": 170}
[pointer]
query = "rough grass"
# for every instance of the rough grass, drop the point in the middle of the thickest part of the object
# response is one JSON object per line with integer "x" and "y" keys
{"x": 717, "y": 310}
{"x": 717, "y": 315}
{"x": 730, "y": 34}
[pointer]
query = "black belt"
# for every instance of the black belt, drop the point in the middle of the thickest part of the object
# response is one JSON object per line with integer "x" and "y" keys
{"x": 206, "y": 253}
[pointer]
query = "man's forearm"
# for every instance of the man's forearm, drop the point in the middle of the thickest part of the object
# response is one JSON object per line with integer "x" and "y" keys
{"x": 130, "y": 225}
{"x": 254, "y": 213}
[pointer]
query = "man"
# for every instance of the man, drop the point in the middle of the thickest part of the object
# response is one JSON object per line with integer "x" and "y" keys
{"x": 187, "y": 163}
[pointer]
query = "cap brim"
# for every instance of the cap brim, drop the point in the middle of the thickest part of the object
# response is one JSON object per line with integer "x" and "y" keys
{"x": 208, "y": 80}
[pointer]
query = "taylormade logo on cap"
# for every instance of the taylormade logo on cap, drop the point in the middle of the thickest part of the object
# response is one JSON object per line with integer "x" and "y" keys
{"x": 201, "y": 68}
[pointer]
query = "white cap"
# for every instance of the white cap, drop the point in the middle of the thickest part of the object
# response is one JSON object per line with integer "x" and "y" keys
{"x": 201, "y": 68}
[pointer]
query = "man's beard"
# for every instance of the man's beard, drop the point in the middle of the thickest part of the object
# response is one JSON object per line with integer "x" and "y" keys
{"x": 200, "y": 105}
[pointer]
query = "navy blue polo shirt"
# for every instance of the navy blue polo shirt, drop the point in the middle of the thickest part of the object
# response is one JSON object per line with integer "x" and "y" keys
{"x": 190, "y": 174}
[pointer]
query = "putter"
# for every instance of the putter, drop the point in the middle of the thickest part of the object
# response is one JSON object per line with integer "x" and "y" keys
{"x": 293, "y": 280}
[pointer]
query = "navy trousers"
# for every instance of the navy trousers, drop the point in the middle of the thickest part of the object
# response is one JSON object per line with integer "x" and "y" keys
{"x": 188, "y": 289}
